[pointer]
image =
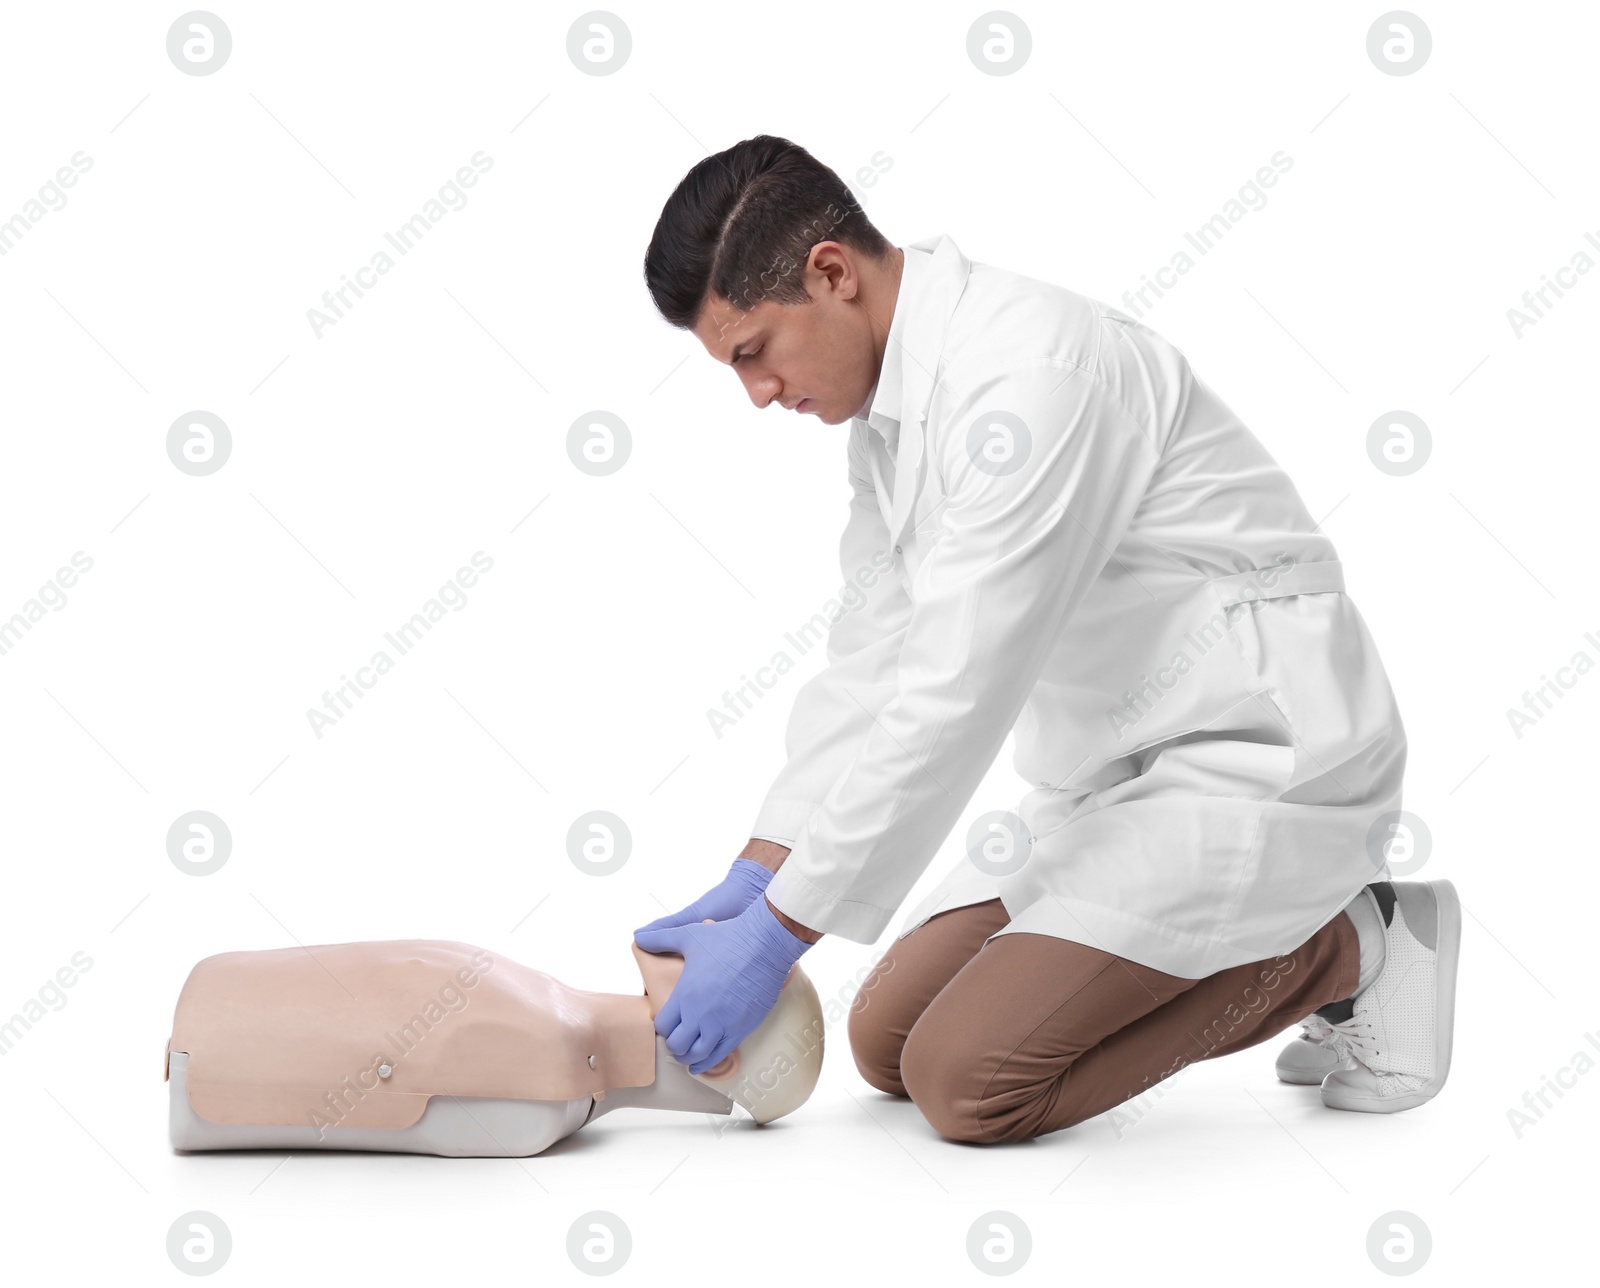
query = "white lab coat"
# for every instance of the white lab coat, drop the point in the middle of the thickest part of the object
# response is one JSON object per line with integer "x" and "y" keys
{"x": 1202, "y": 720}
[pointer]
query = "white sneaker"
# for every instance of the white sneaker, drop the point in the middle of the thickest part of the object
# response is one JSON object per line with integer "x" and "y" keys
{"x": 1315, "y": 1053}
{"x": 1399, "y": 1033}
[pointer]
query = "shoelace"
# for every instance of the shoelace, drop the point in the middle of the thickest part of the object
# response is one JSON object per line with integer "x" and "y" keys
{"x": 1354, "y": 1038}
{"x": 1358, "y": 1038}
{"x": 1332, "y": 1036}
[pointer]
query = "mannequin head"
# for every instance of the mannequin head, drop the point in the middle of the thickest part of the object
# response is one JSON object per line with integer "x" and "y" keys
{"x": 774, "y": 1070}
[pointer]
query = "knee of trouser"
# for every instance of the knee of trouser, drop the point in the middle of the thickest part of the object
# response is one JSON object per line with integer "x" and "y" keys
{"x": 938, "y": 1077}
{"x": 873, "y": 1027}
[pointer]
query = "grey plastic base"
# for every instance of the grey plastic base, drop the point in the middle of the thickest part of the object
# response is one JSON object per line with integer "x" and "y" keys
{"x": 674, "y": 1088}
{"x": 451, "y": 1126}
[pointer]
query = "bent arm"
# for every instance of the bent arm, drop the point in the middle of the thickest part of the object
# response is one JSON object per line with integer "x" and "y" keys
{"x": 834, "y": 709}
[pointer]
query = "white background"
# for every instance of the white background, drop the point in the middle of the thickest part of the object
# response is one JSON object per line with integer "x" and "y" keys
{"x": 370, "y": 463}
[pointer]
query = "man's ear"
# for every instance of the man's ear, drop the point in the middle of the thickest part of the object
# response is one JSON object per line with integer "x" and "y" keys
{"x": 832, "y": 262}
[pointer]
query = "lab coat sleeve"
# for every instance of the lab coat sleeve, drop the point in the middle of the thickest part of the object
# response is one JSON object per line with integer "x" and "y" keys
{"x": 1017, "y": 552}
{"x": 864, "y": 627}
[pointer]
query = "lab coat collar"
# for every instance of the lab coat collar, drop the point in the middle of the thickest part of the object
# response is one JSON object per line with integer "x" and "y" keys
{"x": 934, "y": 275}
{"x": 885, "y": 399}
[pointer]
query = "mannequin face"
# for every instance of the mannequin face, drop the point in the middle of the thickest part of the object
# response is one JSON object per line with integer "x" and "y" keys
{"x": 821, "y": 358}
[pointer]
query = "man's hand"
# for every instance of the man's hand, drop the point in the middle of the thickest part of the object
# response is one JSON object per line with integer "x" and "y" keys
{"x": 732, "y": 974}
{"x": 745, "y": 882}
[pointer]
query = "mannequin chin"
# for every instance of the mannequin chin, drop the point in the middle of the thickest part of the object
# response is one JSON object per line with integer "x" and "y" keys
{"x": 435, "y": 1047}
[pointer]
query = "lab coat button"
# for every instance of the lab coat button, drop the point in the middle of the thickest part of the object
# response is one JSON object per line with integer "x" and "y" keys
{"x": 897, "y": 550}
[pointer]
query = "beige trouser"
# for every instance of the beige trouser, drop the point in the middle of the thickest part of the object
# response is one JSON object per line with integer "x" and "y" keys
{"x": 1030, "y": 1033}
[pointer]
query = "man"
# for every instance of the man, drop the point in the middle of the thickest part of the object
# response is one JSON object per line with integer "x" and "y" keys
{"x": 1087, "y": 547}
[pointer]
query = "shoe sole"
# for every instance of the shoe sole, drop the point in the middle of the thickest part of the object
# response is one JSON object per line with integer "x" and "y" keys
{"x": 1447, "y": 957}
{"x": 1302, "y": 1077}
{"x": 1309, "y": 1080}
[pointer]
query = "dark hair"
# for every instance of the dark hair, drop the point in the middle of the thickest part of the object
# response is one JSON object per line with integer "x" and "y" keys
{"x": 742, "y": 224}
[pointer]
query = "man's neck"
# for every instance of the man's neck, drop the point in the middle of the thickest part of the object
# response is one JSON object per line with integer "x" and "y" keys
{"x": 881, "y": 312}
{"x": 880, "y": 296}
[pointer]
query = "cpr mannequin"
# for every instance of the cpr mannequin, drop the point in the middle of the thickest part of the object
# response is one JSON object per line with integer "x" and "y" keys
{"x": 433, "y": 1047}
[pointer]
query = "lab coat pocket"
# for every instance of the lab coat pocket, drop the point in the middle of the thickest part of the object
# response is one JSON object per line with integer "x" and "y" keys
{"x": 1241, "y": 619}
{"x": 1245, "y": 630}
{"x": 1246, "y": 764}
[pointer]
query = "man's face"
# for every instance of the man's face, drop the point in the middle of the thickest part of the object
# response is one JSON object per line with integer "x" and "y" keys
{"x": 818, "y": 358}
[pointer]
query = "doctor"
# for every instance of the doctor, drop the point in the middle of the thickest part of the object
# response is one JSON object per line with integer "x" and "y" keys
{"x": 1088, "y": 549}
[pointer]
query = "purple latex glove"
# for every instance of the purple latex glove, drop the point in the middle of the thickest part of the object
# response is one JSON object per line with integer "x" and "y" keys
{"x": 746, "y": 880}
{"x": 732, "y": 974}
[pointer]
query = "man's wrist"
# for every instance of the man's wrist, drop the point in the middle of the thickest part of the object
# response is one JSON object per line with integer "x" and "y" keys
{"x": 792, "y": 926}
{"x": 769, "y": 854}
